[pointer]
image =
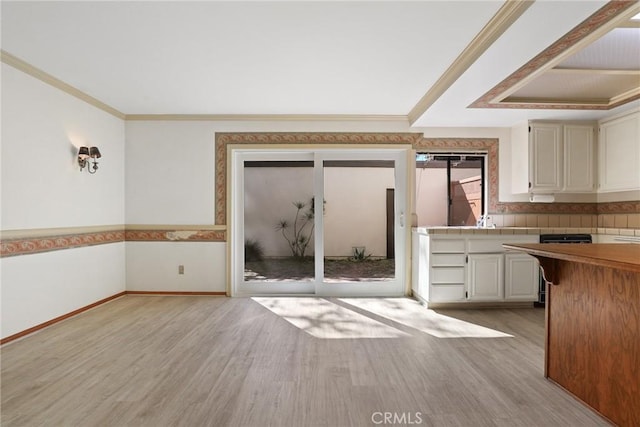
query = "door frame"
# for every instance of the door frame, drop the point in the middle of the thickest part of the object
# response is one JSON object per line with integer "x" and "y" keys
{"x": 402, "y": 156}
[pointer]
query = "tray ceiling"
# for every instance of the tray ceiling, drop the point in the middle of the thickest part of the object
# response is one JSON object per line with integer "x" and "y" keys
{"x": 600, "y": 74}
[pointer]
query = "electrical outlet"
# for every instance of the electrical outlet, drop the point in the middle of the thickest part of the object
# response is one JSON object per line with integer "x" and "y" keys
{"x": 181, "y": 269}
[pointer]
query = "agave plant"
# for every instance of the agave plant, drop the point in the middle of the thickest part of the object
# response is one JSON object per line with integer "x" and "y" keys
{"x": 359, "y": 254}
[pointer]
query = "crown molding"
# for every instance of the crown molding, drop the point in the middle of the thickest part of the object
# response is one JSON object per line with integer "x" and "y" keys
{"x": 594, "y": 71}
{"x": 597, "y": 102}
{"x": 625, "y": 96}
{"x": 267, "y": 117}
{"x": 27, "y": 68}
{"x": 630, "y": 24}
{"x": 499, "y": 23}
{"x": 571, "y": 103}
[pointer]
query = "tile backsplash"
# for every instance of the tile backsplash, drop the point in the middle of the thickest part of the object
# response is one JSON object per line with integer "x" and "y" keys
{"x": 621, "y": 221}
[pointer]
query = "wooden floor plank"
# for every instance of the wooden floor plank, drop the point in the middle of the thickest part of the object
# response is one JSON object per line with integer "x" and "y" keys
{"x": 209, "y": 361}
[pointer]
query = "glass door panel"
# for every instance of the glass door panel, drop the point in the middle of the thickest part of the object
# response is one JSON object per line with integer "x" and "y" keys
{"x": 361, "y": 234}
{"x": 277, "y": 220}
{"x": 359, "y": 221}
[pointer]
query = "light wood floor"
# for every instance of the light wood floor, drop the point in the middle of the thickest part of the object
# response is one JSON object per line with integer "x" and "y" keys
{"x": 207, "y": 361}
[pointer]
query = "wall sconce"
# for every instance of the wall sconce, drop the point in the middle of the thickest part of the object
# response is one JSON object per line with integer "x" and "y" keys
{"x": 84, "y": 156}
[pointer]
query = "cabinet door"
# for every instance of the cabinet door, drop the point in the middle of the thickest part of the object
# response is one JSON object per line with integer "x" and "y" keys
{"x": 521, "y": 277}
{"x": 619, "y": 154}
{"x": 486, "y": 277}
{"x": 578, "y": 158}
{"x": 545, "y": 154}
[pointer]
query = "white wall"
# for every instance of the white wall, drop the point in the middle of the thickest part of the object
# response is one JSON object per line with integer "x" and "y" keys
{"x": 41, "y": 183}
{"x": 153, "y": 266}
{"x": 43, "y": 188}
{"x": 40, "y": 287}
{"x": 169, "y": 173}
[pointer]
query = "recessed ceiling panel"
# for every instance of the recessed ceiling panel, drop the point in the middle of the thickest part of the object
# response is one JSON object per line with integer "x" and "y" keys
{"x": 577, "y": 87}
{"x": 595, "y": 66}
{"x": 617, "y": 50}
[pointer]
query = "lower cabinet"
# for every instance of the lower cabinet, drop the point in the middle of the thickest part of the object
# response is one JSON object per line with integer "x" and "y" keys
{"x": 459, "y": 269}
{"x": 509, "y": 277}
{"x": 521, "y": 277}
{"x": 485, "y": 277}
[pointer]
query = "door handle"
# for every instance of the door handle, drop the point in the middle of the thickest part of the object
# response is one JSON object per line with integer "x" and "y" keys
{"x": 401, "y": 219}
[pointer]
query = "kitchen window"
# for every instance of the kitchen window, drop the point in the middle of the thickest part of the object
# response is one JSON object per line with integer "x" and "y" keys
{"x": 450, "y": 188}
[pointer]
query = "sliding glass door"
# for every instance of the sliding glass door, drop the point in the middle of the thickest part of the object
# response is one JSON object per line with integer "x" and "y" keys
{"x": 325, "y": 222}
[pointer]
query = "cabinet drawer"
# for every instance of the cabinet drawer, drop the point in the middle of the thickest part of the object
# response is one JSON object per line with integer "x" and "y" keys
{"x": 447, "y": 275}
{"x": 485, "y": 246}
{"x": 447, "y": 246}
{"x": 447, "y": 260}
{"x": 446, "y": 293}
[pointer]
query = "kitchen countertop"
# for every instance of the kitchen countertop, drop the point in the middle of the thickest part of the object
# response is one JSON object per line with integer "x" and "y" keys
{"x": 502, "y": 230}
{"x": 438, "y": 230}
{"x": 614, "y": 255}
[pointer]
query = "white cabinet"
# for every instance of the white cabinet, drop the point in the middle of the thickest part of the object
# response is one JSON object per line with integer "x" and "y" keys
{"x": 619, "y": 154}
{"x": 485, "y": 277}
{"x": 521, "y": 277}
{"x": 446, "y": 270}
{"x": 550, "y": 157}
{"x": 472, "y": 268}
{"x": 579, "y": 164}
{"x": 545, "y": 158}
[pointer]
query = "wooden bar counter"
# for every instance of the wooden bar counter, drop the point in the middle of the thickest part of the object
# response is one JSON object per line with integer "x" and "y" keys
{"x": 592, "y": 346}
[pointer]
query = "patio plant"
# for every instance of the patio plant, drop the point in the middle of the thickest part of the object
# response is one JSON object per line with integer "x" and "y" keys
{"x": 253, "y": 250}
{"x": 298, "y": 232}
{"x": 359, "y": 254}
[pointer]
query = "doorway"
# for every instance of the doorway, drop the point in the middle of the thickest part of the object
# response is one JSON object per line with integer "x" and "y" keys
{"x": 315, "y": 221}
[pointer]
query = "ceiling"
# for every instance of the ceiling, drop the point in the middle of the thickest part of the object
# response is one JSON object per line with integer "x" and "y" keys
{"x": 431, "y": 63}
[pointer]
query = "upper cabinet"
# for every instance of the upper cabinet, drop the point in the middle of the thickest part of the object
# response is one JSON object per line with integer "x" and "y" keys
{"x": 579, "y": 160}
{"x": 545, "y": 158}
{"x": 619, "y": 154}
{"x": 552, "y": 157}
